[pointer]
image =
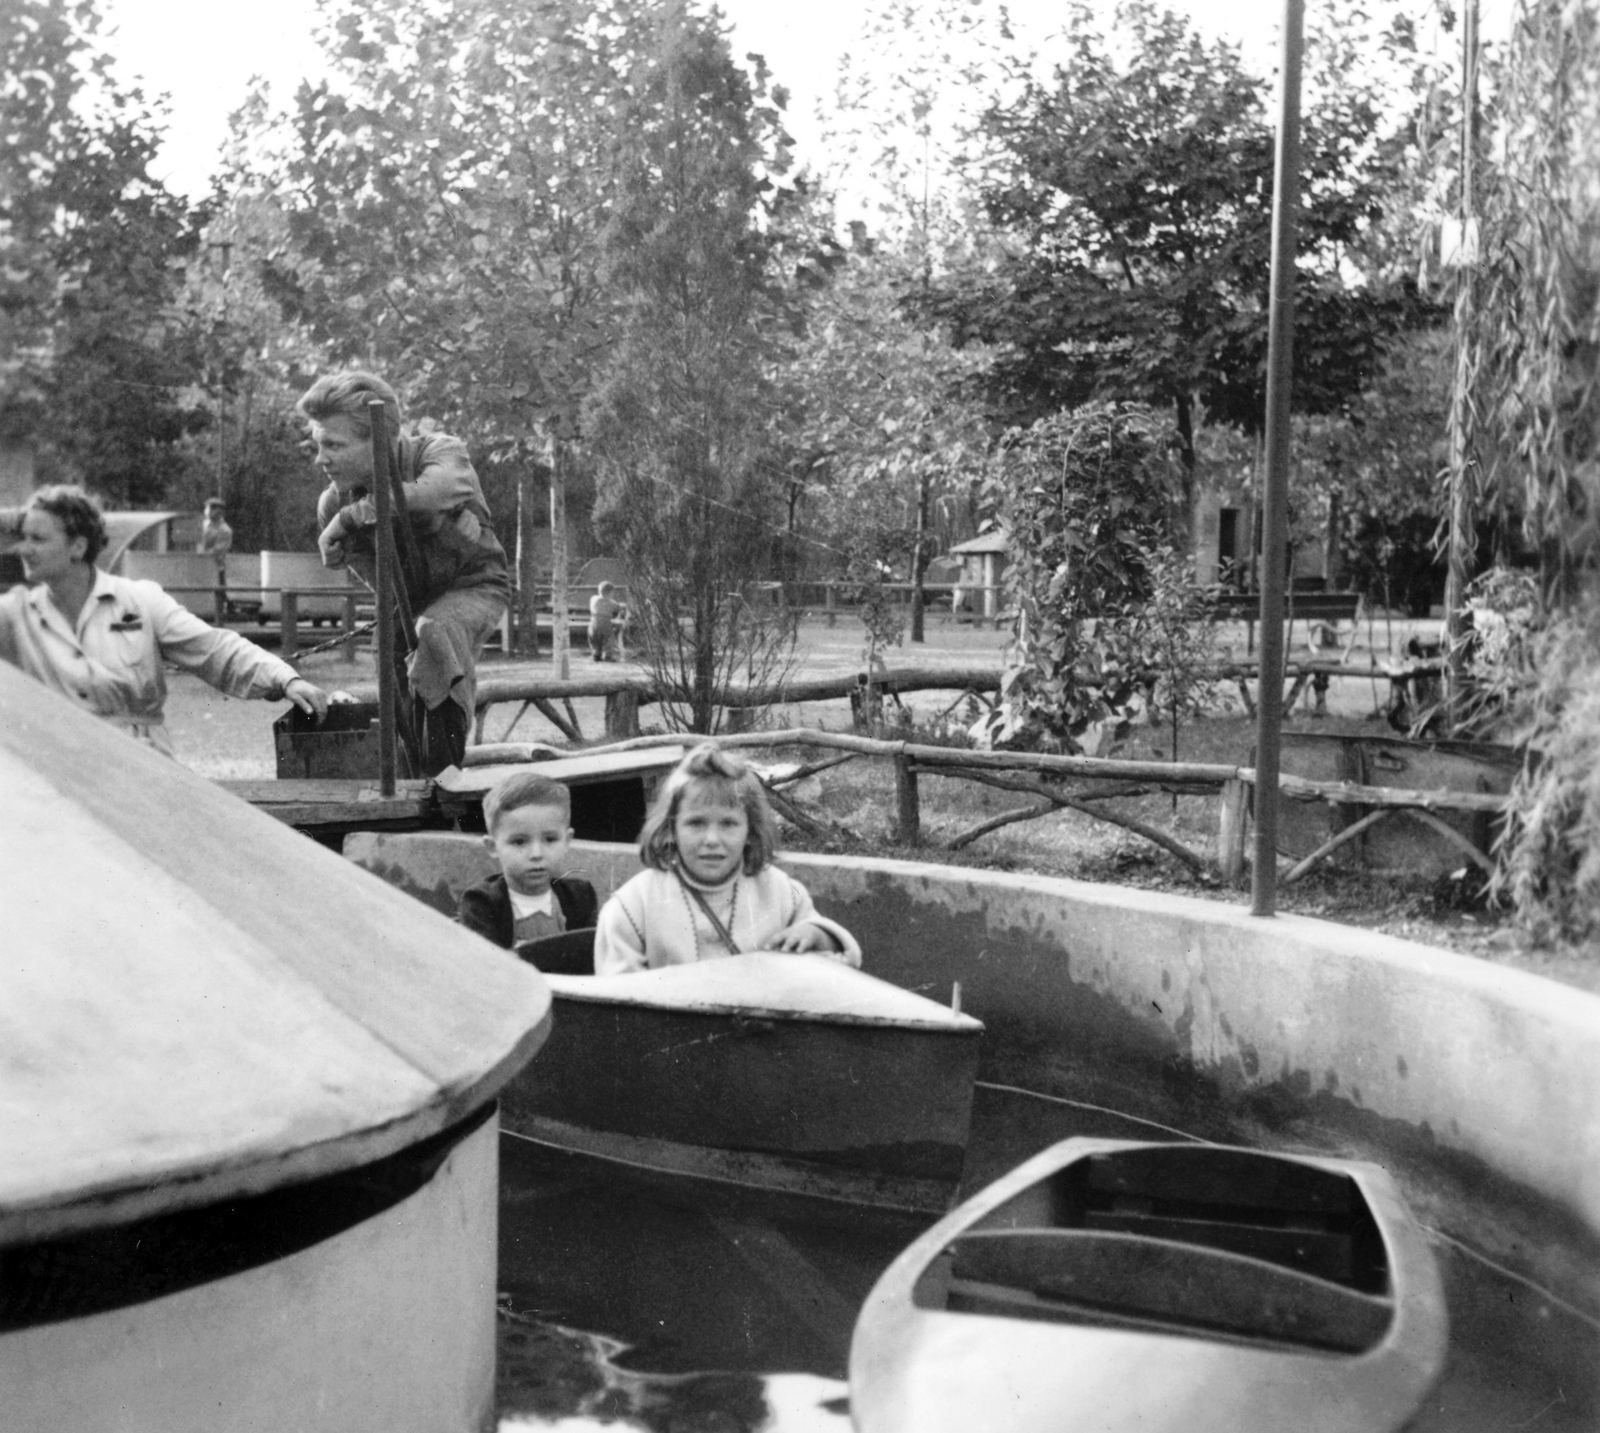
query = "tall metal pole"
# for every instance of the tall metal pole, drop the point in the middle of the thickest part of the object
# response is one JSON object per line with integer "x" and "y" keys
{"x": 1275, "y": 488}
{"x": 226, "y": 245}
{"x": 1462, "y": 536}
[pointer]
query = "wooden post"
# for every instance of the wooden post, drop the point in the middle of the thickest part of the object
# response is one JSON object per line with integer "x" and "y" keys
{"x": 830, "y": 601}
{"x": 560, "y": 642}
{"x": 290, "y": 643}
{"x": 1231, "y": 827}
{"x": 219, "y": 601}
{"x": 350, "y": 628}
{"x": 622, "y": 715}
{"x": 527, "y": 627}
{"x": 909, "y": 832}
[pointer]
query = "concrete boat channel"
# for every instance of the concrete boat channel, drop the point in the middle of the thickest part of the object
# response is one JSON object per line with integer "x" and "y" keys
{"x": 1118, "y": 1014}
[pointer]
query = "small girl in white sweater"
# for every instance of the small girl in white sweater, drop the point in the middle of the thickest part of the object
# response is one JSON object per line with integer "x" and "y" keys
{"x": 711, "y": 888}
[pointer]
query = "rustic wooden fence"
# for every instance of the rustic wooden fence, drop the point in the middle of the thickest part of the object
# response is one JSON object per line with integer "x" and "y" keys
{"x": 1100, "y": 781}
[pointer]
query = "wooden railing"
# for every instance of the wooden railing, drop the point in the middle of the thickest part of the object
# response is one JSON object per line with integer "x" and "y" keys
{"x": 352, "y": 600}
{"x": 1041, "y": 775}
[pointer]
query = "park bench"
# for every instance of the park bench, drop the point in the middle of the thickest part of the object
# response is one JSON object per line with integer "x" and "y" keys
{"x": 1309, "y": 606}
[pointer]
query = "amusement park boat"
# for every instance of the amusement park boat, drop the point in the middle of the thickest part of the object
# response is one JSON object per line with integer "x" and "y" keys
{"x": 790, "y": 1074}
{"x": 1120, "y": 1286}
{"x": 247, "y": 1104}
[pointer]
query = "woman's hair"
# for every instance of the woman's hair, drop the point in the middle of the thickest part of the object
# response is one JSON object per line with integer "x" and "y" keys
{"x": 78, "y": 514}
{"x": 717, "y": 777}
{"x": 346, "y": 395}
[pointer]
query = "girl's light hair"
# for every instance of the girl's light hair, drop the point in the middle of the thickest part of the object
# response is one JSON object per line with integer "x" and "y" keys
{"x": 721, "y": 778}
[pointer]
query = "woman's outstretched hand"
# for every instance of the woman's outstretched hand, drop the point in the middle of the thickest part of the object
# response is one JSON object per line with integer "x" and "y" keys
{"x": 309, "y": 697}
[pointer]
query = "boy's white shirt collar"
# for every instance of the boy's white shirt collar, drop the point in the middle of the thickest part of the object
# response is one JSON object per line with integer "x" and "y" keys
{"x": 522, "y": 905}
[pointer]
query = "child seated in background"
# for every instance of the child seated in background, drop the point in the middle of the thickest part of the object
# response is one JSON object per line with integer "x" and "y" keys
{"x": 711, "y": 888}
{"x": 529, "y": 819}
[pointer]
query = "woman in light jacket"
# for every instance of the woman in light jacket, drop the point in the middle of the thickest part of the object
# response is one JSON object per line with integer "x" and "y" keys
{"x": 101, "y": 641}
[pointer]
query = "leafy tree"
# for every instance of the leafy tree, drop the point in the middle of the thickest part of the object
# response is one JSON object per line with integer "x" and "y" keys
{"x": 1086, "y": 497}
{"x": 1531, "y": 349}
{"x": 907, "y": 100}
{"x": 258, "y": 362}
{"x": 454, "y": 188}
{"x": 1136, "y": 188}
{"x": 1175, "y": 633}
{"x": 891, "y": 419}
{"x": 688, "y": 491}
{"x": 1530, "y": 361}
{"x": 94, "y": 360}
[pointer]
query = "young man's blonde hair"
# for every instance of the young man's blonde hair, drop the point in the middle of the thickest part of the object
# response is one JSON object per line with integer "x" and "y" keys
{"x": 525, "y": 788}
{"x": 346, "y": 395}
{"x": 709, "y": 775}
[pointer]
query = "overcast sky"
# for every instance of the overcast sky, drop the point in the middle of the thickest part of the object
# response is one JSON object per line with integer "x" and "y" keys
{"x": 202, "y": 53}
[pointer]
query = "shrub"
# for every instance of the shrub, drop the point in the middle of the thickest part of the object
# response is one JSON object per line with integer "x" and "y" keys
{"x": 1086, "y": 499}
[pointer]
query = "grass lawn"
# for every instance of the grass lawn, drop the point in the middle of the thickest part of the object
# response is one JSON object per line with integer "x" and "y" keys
{"x": 223, "y": 738}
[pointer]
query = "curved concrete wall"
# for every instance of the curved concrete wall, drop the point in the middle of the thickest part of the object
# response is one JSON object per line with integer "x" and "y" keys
{"x": 387, "y": 1327}
{"x": 1477, "y": 1086}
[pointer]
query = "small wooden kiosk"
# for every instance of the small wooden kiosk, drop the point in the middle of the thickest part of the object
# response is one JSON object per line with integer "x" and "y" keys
{"x": 247, "y": 1100}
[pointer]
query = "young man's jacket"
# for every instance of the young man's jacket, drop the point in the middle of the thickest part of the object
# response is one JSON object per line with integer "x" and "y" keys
{"x": 455, "y": 538}
{"x": 486, "y": 907}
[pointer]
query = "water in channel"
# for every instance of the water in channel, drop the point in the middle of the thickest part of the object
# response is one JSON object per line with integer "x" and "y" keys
{"x": 623, "y": 1309}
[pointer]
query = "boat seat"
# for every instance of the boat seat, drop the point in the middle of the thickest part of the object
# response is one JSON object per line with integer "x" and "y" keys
{"x": 570, "y": 953}
{"x": 1131, "y": 1280}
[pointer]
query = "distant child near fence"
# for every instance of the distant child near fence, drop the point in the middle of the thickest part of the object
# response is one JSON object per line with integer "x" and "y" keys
{"x": 604, "y": 614}
{"x": 710, "y": 888}
{"x": 529, "y": 819}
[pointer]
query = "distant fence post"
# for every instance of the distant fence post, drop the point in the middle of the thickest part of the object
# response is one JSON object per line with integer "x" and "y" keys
{"x": 350, "y": 628}
{"x": 909, "y": 809}
{"x": 830, "y": 602}
{"x": 622, "y": 715}
{"x": 1231, "y": 830}
{"x": 291, "y": 626}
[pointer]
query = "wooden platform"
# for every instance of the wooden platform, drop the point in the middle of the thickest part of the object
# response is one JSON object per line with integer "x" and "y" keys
{"x": 330, "y": 803}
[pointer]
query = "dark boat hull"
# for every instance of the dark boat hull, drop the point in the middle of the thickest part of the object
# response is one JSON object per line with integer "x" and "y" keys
{"x": 799, "y": 1097}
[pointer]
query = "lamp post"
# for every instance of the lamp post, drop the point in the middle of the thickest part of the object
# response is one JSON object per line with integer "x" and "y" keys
{"x": 1462, "y": 540}
{"x": 226, "y": 245}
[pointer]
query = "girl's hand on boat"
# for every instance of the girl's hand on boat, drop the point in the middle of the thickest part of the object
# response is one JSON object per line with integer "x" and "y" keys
{"x": 804, "y": 937}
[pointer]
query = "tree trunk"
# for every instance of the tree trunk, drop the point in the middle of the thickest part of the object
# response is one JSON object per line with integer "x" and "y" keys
{"x": 919, "y": 564}
{"x": 527, "y": 568}
{"x": 1186, "y": 453}
{"x": 705, "y": 664}
{"x": 560, "y": 643}
{"x": 1333, "y": 564}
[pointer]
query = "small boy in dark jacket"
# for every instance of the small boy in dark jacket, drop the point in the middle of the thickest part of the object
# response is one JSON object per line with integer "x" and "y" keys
{"x": 529, "y": 820}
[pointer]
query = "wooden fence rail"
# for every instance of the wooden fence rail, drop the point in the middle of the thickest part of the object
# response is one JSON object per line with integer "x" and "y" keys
{"x": 1040, "y": 774}
{"x": 643, "y": 690}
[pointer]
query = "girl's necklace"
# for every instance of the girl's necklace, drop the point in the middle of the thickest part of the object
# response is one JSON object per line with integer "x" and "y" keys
{"x": 724, "y": 933}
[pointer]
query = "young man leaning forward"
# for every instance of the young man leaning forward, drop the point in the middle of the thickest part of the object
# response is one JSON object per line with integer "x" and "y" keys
{"x": 463, "y": 587}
